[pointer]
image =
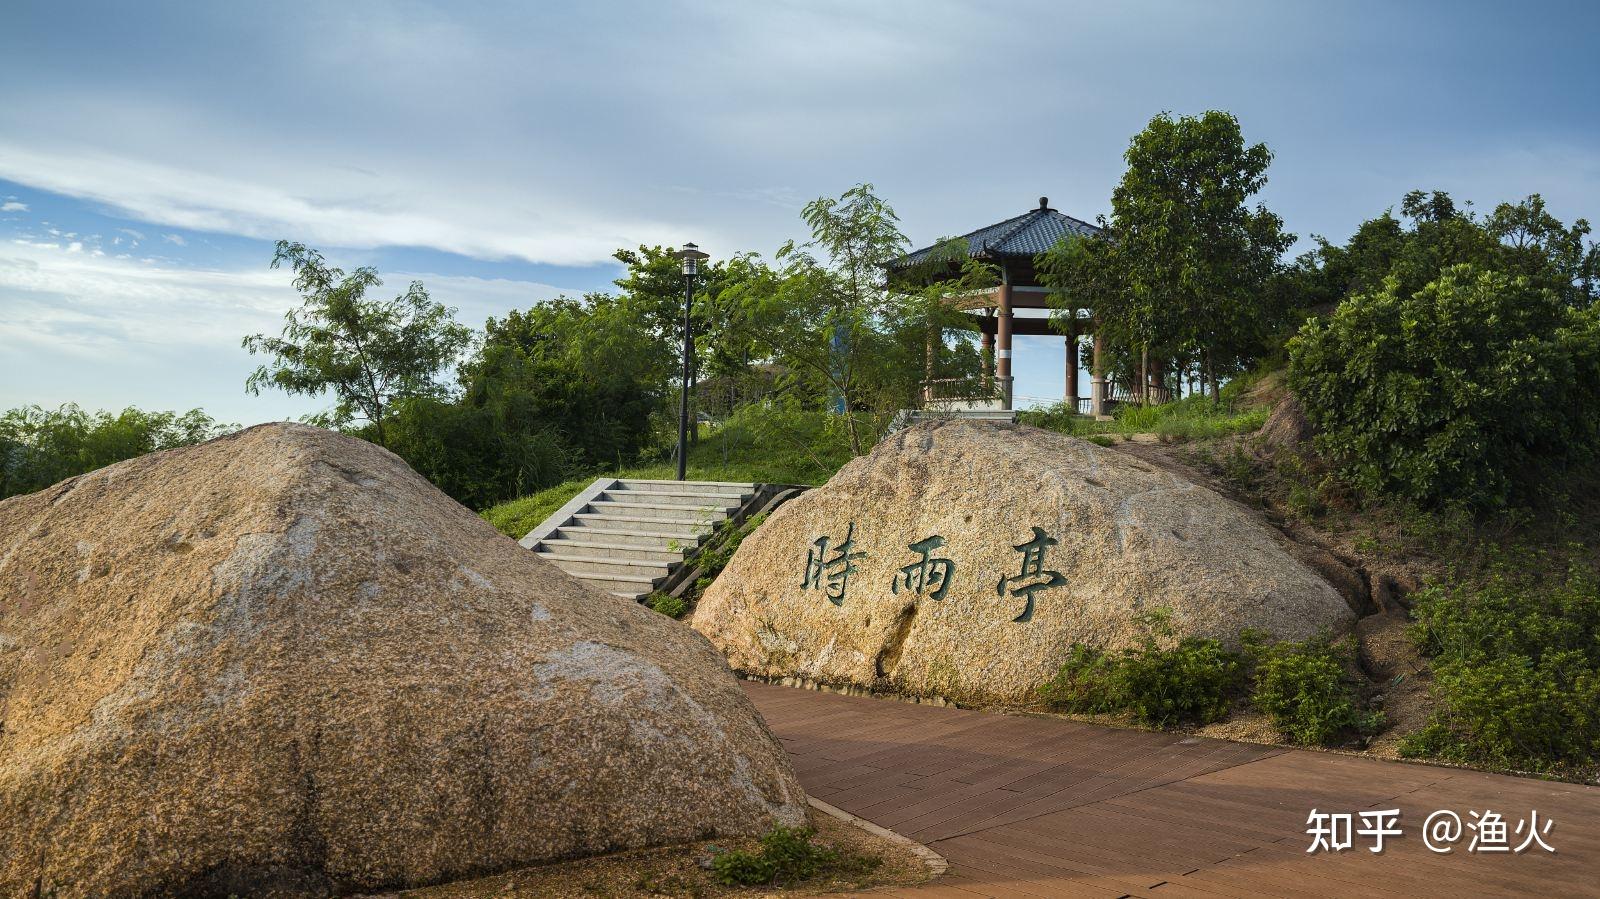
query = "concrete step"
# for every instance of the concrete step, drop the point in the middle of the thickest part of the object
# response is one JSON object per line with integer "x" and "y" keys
{"x": 629, "y": 584}
{"x": 686, "y": 498}
{"x": 635, "y": 525}
{"x": 610, "y": 550}
{"x": 658, "y": 512}
{"x": 720, "y": 487}
{"x": 586, "y": 565}
{"x": 645, "y": 539}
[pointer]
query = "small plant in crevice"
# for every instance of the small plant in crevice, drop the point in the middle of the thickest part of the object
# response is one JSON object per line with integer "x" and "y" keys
{"x": 670, "y": 606}
{"x": 719, "y": 553}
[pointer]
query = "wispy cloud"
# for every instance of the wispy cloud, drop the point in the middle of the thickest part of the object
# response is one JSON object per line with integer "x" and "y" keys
{"x": 471, "y": 220}
{"x": 175, "y": 239}
{"x": 13, "y": 206}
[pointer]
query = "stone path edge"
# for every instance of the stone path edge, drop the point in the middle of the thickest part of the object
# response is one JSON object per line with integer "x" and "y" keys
{"x": 935, "y": 863}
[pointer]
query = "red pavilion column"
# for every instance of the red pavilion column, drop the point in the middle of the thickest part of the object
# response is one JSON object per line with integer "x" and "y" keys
{"x": 986, "y": 355}
{"x": 1002, "y": 355}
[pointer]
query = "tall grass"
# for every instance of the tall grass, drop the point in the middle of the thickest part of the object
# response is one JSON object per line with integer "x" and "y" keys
{"x": 1191, "y": 418}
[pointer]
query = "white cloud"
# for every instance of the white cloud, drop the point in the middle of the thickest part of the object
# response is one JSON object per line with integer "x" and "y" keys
{"x": 75, "y": 247}
{"x": 87, "y": 317}
{"x": 175, "y": 239}
{"x": 13, "y": 206}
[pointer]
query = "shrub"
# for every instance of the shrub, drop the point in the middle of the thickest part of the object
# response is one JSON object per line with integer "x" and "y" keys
{"x": 1461, "y": 391}
{"x": 1188, "y": 680}
{"x": 670, "y": 606}
{"x": 787, "y": 856}
{"x": 1516, "y": 660}
{"x": 1303, "y": 688}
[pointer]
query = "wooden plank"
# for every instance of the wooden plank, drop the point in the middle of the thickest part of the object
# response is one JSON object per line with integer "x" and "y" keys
{"x": 1027, "y": 807}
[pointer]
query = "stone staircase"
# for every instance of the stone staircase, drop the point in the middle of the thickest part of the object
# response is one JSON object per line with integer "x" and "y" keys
{"x": 626, "y": 536}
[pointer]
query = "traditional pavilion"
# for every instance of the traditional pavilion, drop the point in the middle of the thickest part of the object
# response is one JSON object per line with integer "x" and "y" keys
{"x": 1010, "y": 246}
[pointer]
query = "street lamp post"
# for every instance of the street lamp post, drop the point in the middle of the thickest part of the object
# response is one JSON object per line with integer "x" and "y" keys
{"x": 691, "y": 256}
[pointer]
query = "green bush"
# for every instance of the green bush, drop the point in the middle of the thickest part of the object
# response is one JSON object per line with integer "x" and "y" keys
{"x": 1303, "y": 688}
{"x": 1516, "y": 663}
{"x": 787, "y": 856}
{"x": 1161, "y": 682}
{"x": 1467, "y": 390}
{"x": 670, "y": 606}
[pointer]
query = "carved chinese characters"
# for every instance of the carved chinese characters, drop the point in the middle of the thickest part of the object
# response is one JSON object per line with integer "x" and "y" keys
{"x": 929, "y": 575}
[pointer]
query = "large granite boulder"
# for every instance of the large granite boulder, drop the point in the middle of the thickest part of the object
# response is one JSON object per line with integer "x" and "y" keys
{"x": 281, "y": 662}
{"x": 963, "y": 559}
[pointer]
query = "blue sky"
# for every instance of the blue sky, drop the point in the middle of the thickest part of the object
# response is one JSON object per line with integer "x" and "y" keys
{"x": 150, "y": 153}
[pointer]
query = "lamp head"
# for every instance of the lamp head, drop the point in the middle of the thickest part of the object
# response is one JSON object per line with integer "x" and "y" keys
{"x": 691, "y": 256}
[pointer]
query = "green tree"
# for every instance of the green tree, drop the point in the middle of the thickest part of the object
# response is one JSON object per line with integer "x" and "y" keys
{"x": 653, "y": 286}
{"x": 565, "y": 387}
{"x": 1087, "y": 274}
{"x": 824, "y": 312}
{"x": 1534, "y": 243}
{"x": 1197, "y": 258}
{"x": 368, "y": 353}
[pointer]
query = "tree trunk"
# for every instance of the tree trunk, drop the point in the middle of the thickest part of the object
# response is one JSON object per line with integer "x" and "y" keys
{"x": 850, "y": 423}
{"x": 1144, "y": 375}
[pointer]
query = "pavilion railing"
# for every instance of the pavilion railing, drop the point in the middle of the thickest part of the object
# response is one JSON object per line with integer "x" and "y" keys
{"x": 1118, "y": 394}
{"x": 962, "y": 390}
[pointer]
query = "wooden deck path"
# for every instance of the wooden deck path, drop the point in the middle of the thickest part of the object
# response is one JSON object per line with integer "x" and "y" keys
{"x": 1031, "y": 807}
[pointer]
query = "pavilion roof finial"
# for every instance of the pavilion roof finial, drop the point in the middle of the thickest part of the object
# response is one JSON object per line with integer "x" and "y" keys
{"x": 1044, "y": 203}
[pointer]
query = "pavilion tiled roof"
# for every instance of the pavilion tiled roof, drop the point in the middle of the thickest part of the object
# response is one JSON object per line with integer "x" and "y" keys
{"x": 1024, "y": 236}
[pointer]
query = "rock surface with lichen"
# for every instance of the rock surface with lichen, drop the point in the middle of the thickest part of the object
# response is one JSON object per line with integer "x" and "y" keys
{"x": 1033, "y": 541}
{"x": 282, "y": 663}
